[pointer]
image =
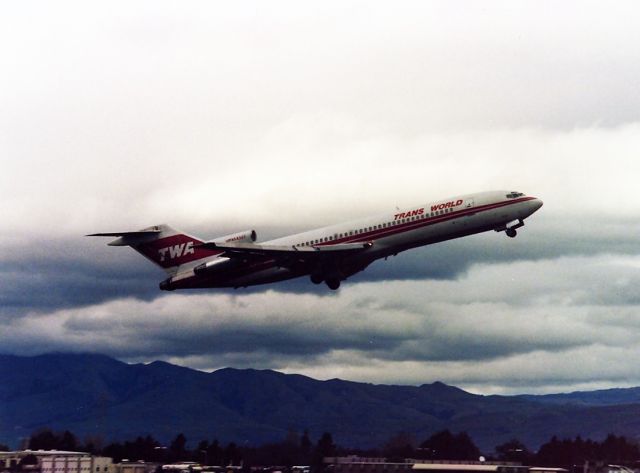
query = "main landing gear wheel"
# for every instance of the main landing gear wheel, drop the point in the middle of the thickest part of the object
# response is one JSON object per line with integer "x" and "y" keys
{"x": 511, "y": 232}
{"x": 316, "y": 278}
{"x": 333, "y": 283}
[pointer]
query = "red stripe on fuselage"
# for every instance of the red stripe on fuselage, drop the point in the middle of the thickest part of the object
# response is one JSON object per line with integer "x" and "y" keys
{"x": 412, "y": 225}
{"x": 395, "y": 229}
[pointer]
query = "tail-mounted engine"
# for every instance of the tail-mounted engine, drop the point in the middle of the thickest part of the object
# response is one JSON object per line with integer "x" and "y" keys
{"x": 248, "y": 236}
{"x": 221, "y": 265}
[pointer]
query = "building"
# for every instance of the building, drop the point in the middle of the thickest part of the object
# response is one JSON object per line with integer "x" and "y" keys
{"x": 134, "y": 467}
{"x": 54, "y": 461}
{"x": 469, "y": 467}
{"x": 355, "y": 464}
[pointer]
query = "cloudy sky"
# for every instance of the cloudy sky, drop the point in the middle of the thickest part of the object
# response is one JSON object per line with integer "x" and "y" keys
{"x": 218, "y": 117}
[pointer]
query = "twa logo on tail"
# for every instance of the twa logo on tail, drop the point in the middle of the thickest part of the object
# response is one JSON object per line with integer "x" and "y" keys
{"x": 176, "y": 251}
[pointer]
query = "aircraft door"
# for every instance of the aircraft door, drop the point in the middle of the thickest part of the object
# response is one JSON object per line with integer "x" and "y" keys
{"x": 468, "y": 205}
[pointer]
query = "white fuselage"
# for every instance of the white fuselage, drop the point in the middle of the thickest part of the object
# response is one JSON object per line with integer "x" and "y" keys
{"x": 387, "y": 234}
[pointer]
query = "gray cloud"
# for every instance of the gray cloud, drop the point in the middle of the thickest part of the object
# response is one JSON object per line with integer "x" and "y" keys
{"x": 292, "y": 116}
{"x": 74, "y": 272}
{"x": 401, "y": 331}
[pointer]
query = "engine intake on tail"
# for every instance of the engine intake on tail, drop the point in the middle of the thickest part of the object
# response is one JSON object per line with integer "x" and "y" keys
{"x": 248, "y": 236}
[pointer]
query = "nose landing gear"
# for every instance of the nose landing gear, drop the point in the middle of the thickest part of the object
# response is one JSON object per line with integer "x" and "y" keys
{"x": 510, "y": 229}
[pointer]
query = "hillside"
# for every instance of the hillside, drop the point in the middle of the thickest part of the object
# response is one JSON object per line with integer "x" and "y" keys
{"x": 95, "y": 394}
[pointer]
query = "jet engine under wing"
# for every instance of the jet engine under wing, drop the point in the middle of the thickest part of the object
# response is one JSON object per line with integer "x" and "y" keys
{"x": 286, "y": 253}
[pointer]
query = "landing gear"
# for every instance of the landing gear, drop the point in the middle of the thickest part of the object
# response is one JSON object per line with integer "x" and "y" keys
{"x": 333, "y": 283}
{"x": 510, "y": 228}
{"x": 316, "y": 278}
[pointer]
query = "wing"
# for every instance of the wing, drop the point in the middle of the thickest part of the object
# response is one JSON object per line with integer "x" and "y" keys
{"x": 286, "y": 255}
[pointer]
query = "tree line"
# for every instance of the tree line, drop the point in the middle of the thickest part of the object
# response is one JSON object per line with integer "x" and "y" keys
{"x": 301, "y": 449}
{"x": 294, "y": 449}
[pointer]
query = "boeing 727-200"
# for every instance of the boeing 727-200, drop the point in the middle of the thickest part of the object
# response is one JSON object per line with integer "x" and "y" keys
{"x": 330, "y": 254}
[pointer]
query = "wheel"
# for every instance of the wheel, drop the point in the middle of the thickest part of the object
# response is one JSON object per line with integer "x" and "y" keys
{"x": 511, "y": 232}
{"x": 333, "y": 283}
{"x": 316, "y": 278}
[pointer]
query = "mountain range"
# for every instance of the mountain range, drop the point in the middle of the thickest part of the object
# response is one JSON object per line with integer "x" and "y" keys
{"x": 92, "y": 394}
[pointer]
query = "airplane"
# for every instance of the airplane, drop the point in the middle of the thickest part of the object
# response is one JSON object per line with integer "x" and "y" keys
{"x": 329, "y": 254}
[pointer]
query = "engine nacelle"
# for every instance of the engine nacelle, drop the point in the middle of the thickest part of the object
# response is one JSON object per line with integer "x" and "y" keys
{"x": 220, "y": 265}
{"x": 248, "y": 236}
{"x": 215, "y": 266}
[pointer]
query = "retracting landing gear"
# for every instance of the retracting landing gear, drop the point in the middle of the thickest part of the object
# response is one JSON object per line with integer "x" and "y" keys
{"x": 316, "y": 278}
{"x": 329, "y": 273}
{"x": 510, "y": 230}
{"x": 333, "y": 283}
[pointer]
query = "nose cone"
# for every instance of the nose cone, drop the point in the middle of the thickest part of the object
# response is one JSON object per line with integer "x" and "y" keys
{"x": 535, "y": 205}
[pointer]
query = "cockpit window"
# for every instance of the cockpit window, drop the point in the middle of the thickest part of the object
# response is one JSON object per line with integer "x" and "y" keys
{"x": 513, "y": 195}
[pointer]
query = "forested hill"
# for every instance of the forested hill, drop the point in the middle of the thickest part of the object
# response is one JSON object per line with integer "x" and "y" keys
{"x": 95, "y": 394}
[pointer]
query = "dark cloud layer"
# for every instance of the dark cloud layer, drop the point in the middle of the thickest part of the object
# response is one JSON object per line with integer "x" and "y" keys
{"x": 216, "y": 119}
{"x": 75, "y": 272}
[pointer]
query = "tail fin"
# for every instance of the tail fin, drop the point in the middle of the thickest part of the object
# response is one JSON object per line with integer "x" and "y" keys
{"x": 162, "y": 245}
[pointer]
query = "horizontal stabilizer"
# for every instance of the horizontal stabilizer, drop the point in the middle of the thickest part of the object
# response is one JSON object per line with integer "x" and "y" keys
{"x": 117, "y": 234}
{"x": 133, "y": 238}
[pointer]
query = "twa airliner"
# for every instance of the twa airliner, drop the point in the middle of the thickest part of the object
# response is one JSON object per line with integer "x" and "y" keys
{"x": 330, "y": 254}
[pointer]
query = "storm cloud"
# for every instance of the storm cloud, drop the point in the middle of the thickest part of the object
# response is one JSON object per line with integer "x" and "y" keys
{"x": 286, "y": 116}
